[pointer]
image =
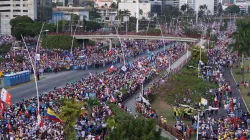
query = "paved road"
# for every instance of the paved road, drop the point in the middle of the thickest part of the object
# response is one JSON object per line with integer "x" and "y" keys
{"x": 236, "y": 92}
{"x": 56, "y": 80}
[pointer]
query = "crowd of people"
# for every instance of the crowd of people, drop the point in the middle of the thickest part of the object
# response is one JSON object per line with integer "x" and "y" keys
{"x": 92, "y": 57}
{"x": 223, "y": 118}
{"x": 19, "y": 121}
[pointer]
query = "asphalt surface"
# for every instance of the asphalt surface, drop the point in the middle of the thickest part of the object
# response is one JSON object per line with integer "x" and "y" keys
{"x": 58, "y": 80}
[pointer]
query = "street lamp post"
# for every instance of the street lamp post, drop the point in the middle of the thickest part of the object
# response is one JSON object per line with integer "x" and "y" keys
{"x": 72, "y": 42}
{"x": 198, "y": 116}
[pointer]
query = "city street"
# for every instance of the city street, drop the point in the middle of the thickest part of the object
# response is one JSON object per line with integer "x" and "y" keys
{"x": 56, "y": 80}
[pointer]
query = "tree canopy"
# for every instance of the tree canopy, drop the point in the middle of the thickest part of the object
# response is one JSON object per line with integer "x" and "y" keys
{"x": 195, "y": 51}
{"x": 58, "y": 41}
{"x": 184, "y": 85}
{"x": 234, "y": 9}
{"x": 70, "y": 112}
{"x": 126, "y": 127}
{"x": 170, "y": 12}
{"x": 5, "y": 48}
{"x": 25, "y": 26}
{"x": 20, "y": 20}
{"x": 91, "y": 25}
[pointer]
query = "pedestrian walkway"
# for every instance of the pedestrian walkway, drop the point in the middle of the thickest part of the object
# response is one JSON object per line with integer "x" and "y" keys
{"x": 131, "y": 102}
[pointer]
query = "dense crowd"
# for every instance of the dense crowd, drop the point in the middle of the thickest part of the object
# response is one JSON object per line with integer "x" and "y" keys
{"x": 19, "y": 120}
{"x": 92, "y": 57}
{"x": 235, "y": 123}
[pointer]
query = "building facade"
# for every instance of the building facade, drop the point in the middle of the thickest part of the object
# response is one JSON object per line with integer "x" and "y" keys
{"x": 132, "y": 7}
{"x": 107, "y": 14}
{"x": 61, "y": 12}
{"x": 40, "y": 10}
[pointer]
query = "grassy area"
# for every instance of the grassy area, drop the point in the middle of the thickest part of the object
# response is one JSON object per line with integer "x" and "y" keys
{"x": 238, "y": 77}
{"x": 165, "y": 110}
{"x": 162, "y": 138}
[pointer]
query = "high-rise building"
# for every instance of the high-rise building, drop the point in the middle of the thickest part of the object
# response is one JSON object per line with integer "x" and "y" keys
{"x": 40, "y": 10}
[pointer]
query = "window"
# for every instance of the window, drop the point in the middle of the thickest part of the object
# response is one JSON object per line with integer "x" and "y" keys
{"x": 6, "y": 15}
{"x": 17, "y": 4}
{"x": 16, "y": 15}
{"x": 4, "y": 5}
{"x": 25, "y": 10}
{"x": 4, "y": 10}
{"x": 16, "y": 11}
{"x": 24, "y": 5}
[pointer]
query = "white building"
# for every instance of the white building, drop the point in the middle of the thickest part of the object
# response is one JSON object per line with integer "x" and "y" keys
{"x": 210, "y": 5}
{"x": 132, "y": 7}
{"x": 11, "y": 9}
{"x": 40, "y": 10}
{"x": 107, "y": 14}
{"x": 101, "y": 3}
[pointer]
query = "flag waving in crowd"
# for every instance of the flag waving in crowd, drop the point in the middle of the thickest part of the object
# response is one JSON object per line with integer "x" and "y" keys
{"x": 6, "y": 97}
{"x": 52, "y": 116}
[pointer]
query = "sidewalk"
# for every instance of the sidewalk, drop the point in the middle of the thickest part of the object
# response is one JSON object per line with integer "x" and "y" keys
{"x": 131, "y": 102}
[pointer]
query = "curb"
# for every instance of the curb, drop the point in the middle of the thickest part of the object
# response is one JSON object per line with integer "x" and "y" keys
{"x": 239, "y": 90}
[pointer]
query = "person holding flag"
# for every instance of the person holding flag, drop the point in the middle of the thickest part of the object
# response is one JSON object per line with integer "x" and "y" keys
{"x": 6, "y": 96}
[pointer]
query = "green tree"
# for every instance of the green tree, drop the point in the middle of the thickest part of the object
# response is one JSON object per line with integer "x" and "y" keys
{"x": 93, "y": 14}
{"x": 58, "y": 41}
{"x": 18, "y": 25}
{"x": 141, "y": 12}
{"x": 74, "y": 17}
{"x": 5, "y": 48}
{"x": 220, "y": 9}
{"x": 91, "y": 25}
{"x": 184, "y": 7}
{"x": 234, "y": 9}
{"x": 241, "y": 41}
{"x": 20, "y": 20}
{"x": 195, "y": 51}
{"x": 184, "y": 84}
{"x": 113, "y": 5}
{"x": 70, "y": 112}
{"x": 127, "y": 127}
{"x": 91, "y": 102}
{"x": 170, "y": 12}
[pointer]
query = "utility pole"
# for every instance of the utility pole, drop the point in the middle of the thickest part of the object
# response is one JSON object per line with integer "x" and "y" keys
{"x": 137, "y": 16}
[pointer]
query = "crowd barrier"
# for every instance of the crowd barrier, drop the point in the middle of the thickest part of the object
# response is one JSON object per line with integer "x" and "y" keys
{"x": 16, "y": 78}
{"x": 126, "y": 33}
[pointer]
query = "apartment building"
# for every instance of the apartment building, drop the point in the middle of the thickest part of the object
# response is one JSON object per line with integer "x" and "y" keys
{"x": 40, "y": 10}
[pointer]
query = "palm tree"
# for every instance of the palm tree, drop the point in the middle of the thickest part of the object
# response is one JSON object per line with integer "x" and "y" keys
{"x": 123, "y": 13}
{"x": 70, "y": 112}
{"x": 141, "y": 12}
{"x": 113, "y": 5}
{"x": 126, "y": 12}
{"x": 184, "y": 7}
{"x": 241, "y": 41}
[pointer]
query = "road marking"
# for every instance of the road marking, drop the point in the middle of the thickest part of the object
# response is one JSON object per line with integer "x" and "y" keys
{"x": 239, "y": 90}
